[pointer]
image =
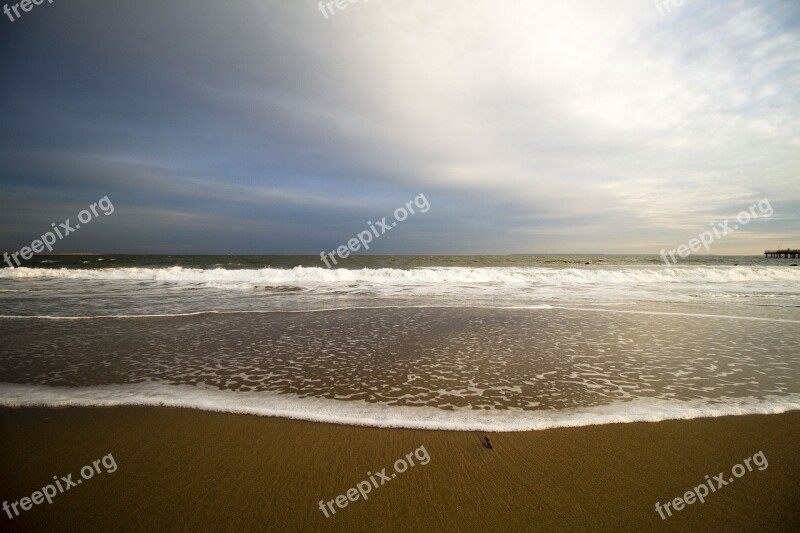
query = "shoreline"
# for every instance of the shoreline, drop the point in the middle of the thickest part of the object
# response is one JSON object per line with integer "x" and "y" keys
{"x": 377, "y": 415}
{"x": 207, "y": 470}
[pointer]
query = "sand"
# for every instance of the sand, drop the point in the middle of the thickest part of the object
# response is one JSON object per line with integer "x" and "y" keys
{"x": 191, "y": 470}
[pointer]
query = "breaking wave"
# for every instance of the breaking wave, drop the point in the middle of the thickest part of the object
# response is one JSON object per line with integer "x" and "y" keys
{"x": 385, "y": 416}
{"x": 311, "y": 277}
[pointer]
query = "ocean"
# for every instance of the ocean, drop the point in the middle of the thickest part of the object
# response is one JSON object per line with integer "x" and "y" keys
{"x": 491, "y": 343}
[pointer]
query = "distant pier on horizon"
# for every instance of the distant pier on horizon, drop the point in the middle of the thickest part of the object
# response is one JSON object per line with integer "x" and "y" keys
{"x": 782, "y": 254}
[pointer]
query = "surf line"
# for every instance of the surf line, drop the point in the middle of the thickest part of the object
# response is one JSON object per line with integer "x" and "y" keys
{"x": 356, "y": 308}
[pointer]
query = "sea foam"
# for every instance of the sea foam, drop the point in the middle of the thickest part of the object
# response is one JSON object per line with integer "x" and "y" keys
{"x": 311, "y": 277}
{"x": 385, "y": 416}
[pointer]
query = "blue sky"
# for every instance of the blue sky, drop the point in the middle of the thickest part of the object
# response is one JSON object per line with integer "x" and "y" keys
{"x": 531, "y": 127}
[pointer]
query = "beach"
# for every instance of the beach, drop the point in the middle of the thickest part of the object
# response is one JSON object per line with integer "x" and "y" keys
{"x": 266, "y": 393}
{"x": 194, "y": 470}
{"x": 400, "y": 266}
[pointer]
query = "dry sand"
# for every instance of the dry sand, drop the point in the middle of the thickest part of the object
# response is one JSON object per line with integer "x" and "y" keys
{"x": 192, "y": 470}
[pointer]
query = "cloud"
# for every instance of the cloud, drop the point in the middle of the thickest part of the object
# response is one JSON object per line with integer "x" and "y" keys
{"x": 538, "y": 126}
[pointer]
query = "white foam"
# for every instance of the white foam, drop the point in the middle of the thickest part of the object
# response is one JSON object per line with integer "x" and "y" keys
{"x": 381, "y": 415}
{"x": 353, "y": 308}
{"x": 270, "y": 311}
{"x": 311, "y": 277}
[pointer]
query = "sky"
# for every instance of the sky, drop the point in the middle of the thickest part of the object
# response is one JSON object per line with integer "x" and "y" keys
{"x": 270, "y": 127}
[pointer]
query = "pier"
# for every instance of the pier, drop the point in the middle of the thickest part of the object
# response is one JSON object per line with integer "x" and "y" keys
{"x": 781, "y": 254}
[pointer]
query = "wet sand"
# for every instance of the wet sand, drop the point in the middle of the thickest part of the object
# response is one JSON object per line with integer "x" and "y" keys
{"x": 192, "y": 470}
{"x": 449, "y": 358}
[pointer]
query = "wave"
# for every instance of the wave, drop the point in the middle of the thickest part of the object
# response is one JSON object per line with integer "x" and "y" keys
{"x": 313, "y": 277}
{"x": 380, "y": 415}
{"x": 356, "y": 307}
